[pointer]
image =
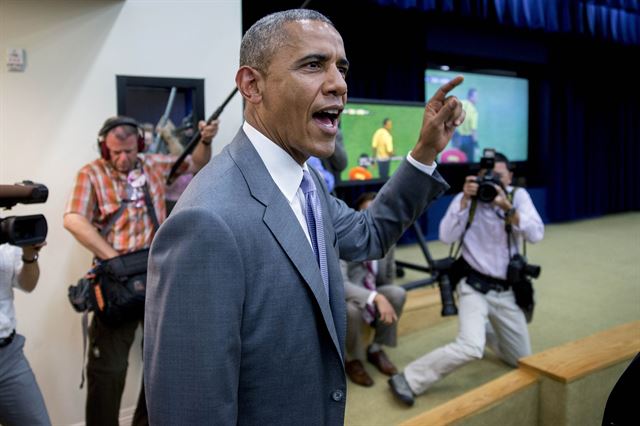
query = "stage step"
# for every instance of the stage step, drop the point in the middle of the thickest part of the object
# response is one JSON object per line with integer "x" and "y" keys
{"x": 480, "y": 400}
{"x": 567, "y": 385}
{"x": 574, "y": 360}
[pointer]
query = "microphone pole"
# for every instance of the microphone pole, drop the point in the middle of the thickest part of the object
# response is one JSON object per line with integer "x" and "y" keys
{"x": 196, "y": 138}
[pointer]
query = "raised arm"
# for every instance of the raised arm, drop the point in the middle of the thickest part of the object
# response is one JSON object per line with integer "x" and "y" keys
{"x": 202, "y": 153}
{"x": 442, "y": 115}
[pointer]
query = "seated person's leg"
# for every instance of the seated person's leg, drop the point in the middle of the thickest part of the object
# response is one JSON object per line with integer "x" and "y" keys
{"x": 356, "y": 346}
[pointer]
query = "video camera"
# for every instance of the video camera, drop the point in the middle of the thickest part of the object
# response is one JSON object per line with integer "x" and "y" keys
{"x": 487, "y": 191}
{"x": 23, "y": 230}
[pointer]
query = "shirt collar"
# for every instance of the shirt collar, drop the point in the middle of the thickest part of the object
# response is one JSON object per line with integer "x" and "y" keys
{"x": 285, "y": 172}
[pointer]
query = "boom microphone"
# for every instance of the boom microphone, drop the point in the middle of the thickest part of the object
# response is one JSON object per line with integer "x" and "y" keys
{"x": 196, "y": 138}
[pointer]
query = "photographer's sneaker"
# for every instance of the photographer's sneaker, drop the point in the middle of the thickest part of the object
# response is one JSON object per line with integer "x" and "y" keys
{"x": 401, "y": 390}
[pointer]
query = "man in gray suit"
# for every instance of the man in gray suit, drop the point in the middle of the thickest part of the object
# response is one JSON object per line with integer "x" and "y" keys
{"x": 244, "y": 321}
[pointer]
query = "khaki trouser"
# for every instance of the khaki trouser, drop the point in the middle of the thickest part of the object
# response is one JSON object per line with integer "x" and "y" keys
{"x": 492, "y": 318}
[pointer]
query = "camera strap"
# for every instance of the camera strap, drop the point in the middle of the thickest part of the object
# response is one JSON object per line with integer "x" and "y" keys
{"x": 472, "y": 211}
{"x": 152, "y": 213}
{"x": 508, "y": 228}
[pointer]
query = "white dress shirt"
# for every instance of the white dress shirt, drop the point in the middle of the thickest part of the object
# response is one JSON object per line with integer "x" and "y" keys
{"x": 10, "y": 268}
{"x": 485, "y": 242}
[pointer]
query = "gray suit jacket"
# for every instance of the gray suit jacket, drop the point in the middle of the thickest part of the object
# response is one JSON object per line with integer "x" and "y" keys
{"x": 238, "y": 328}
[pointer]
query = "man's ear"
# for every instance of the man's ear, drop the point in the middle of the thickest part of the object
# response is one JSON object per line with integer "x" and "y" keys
{"x": 249, "y": 82}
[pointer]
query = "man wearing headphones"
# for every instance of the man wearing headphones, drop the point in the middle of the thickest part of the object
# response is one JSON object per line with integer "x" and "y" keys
{"x": 116, "y": 185}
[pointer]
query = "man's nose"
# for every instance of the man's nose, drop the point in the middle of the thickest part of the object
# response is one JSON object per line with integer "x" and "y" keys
{"x": 335, "y": 83}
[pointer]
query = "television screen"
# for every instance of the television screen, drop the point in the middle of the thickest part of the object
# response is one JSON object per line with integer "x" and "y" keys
{"x": 497, "y": 111}
{"x": 363, "y": 125}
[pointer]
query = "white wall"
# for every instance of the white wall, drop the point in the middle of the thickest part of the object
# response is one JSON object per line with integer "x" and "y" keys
{"x": 49, "y": 117}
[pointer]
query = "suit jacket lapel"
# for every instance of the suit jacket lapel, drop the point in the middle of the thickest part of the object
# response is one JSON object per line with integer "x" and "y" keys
{"x": 283, "y": 224}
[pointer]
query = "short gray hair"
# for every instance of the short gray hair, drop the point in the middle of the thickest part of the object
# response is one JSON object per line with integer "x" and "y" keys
{"x": 267, "y": 35}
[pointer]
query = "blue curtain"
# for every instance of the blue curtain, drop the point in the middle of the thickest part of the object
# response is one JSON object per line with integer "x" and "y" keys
{"x": 589, "y": 144}
{"x": 613, "y": 20}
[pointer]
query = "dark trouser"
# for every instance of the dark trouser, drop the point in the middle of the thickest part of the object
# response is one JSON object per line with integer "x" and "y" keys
{"x": 468, "y": 147}
{"x": 383, "y": 168}
{"x": 106, "y": 374}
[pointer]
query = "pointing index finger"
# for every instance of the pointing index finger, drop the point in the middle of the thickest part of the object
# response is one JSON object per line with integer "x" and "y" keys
{"x": 441, "y": 94}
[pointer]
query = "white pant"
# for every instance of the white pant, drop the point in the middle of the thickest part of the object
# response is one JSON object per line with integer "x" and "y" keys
{"x": 493, "y": 318}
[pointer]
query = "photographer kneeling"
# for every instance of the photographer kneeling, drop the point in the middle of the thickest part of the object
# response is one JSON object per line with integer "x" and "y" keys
{"x": 21, "y": 402}
{"x": 490, "y": 218}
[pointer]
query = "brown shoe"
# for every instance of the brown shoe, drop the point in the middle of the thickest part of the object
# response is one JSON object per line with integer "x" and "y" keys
{"x": 380, "y": 360}
{"x": 357, "y": 373}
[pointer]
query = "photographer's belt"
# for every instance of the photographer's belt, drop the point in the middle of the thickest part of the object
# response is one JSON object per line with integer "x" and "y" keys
{"x": 5, "y": 341}
{"x": 484, "y": 283}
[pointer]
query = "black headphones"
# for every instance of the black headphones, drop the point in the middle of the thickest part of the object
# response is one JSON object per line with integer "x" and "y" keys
{"x": 112, "y": 123}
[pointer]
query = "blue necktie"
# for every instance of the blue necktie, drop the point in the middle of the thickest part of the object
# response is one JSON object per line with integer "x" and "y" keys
{"x": 313, "y": 215}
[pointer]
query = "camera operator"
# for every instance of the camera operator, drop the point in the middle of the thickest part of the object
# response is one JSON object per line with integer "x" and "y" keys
{"x": 21, "y": 402}
{"x": 113, "y": 194}
{"x": 488, "y": 312}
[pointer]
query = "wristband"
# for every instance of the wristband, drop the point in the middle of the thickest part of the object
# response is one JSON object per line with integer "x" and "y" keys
{"x": 510, "y": 212}
{"x": 35, "y": 258}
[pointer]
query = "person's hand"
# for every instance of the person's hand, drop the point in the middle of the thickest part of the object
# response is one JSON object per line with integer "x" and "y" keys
{"x": 442, "y": 115}
{"x": 470, "y": 187}
{"x": 501, "y": 200}
{"x": 208, "y": 131}
{"x": 30, "y": 252}
{"x": 469, "y": 190}
{"x": 386, "y": 311}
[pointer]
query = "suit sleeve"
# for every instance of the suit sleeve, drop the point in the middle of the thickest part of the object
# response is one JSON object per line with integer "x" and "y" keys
{"x": 387, "y": 268}
{"x": 193, "y": 315}
{"x": 369, "y": 234}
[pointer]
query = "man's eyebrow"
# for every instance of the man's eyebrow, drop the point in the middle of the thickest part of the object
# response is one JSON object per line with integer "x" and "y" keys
{"x": 319, "y": 57}
{"x": 315, "y": 57}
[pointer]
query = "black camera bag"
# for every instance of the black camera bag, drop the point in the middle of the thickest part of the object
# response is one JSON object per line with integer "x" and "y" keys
{"x": 119, "y": 288}
{"x": 523, "y": 292}
{"x": 79, "y": 294}
{"x": 114, "y": 290}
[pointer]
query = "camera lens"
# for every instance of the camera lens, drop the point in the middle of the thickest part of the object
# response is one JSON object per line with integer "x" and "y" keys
{"x": 487, "y": 192}
{"x": 532, "y": 270}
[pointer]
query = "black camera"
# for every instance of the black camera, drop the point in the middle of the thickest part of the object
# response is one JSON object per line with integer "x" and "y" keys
{"x": 442, "y": 267}
{"x": 449, "y": 271}
{"x": 488, "y": 181}
{"x": 23, "y": 230}
{"x": 518, "y": 270}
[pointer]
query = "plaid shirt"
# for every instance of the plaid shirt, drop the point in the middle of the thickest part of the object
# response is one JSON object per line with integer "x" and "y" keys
{"x": 100, "y": 190}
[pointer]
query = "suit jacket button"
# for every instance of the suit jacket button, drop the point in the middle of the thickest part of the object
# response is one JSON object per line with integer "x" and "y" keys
{"x": 337, "y": 395}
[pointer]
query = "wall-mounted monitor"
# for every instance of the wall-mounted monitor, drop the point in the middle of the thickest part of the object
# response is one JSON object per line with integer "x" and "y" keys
{"x": 362, "y": 119}
{"x": 497, "y": 112}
